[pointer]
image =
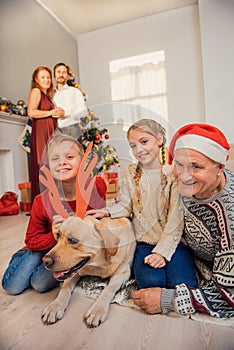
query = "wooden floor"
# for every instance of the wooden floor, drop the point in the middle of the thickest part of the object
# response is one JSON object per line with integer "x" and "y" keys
{"x": 125, "y": 328}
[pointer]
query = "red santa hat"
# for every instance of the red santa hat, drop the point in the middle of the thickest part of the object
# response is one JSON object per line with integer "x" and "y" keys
{"x": 203, "y": 138}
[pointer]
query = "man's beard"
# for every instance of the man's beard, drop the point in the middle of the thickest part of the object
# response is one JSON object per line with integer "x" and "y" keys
{"x": 61, "y": 81}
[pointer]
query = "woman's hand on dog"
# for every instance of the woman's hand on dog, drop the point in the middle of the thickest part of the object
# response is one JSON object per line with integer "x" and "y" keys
{"x": 57, "y": 222}
{"x": 98, "y": 214}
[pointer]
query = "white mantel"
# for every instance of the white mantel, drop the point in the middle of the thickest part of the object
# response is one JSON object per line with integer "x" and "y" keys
{"x": 13, "y": 158}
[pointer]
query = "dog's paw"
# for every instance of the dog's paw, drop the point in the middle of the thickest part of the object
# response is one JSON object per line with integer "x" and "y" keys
{"x": 52, "y": 313}
{"x": 95, "y": 316}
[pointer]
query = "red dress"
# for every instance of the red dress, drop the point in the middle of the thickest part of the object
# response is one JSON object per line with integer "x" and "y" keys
{"x": 42, "y": 130}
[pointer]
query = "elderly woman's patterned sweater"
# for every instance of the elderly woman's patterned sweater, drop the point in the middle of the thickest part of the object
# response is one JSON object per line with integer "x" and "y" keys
{"x": 209, "y": 232}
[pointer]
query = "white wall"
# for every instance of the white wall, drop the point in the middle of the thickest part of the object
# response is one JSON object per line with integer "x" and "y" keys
{"x": 198, "y": 41}
{"x": 217, "y": 33}
{"x": 176, "y": 32}
{"x": 30, "y": 37}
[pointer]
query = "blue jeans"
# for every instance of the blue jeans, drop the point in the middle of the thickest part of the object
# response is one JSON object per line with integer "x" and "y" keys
{"x": 26, "y": 270}
{"x": 179, "y": 270}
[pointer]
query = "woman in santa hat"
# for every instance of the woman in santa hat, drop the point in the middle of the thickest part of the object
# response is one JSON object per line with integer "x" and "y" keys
{"x": 199, "y": 153}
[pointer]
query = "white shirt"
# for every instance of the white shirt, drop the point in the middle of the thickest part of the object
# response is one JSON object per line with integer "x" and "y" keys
{"x": 72, "y": 101}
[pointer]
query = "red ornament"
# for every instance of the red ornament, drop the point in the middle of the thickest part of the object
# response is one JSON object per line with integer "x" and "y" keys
{"x": 107, "y": 136}
{"x": 97, "y": 137}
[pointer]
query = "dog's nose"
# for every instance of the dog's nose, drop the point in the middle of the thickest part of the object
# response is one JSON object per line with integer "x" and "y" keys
{"x": 48, "y": 261}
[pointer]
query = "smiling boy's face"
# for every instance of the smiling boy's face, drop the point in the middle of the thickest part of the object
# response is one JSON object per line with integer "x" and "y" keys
{"x": 64, "y": 160}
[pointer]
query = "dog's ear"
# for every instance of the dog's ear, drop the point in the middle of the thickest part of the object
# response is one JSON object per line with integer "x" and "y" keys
{"x": 109, "y": 237}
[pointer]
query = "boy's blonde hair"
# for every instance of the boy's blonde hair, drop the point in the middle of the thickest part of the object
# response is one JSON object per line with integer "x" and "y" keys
{"x": 59, "y": 137}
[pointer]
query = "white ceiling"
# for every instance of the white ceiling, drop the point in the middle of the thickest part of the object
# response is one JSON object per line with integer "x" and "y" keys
{"x": 81, "y": 16}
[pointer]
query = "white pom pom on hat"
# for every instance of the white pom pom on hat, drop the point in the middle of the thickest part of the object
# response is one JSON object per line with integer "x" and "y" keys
{"x": 204, "y": 138}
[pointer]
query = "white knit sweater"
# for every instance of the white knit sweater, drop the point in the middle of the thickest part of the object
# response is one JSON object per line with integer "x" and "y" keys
{"x": 157, "y": 223}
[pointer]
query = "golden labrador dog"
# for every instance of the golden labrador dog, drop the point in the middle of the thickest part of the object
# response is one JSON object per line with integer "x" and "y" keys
{"x": 88, "y": 246}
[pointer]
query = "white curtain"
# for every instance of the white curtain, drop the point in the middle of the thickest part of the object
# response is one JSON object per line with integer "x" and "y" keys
{"x": 141, "y": 82}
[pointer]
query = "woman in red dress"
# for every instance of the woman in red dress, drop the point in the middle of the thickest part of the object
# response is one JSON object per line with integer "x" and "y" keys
{"x": 44, "y": 120}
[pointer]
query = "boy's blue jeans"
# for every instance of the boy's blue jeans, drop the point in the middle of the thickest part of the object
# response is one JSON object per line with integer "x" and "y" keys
{"x": 26, "y": 270}
{"x": 179, "y": 270}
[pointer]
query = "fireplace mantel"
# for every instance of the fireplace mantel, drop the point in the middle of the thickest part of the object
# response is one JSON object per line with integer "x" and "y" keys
{"x": 12, "y": 119}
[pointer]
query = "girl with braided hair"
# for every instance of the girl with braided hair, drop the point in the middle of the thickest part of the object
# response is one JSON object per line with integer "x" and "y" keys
{"x": 149, "y": 196}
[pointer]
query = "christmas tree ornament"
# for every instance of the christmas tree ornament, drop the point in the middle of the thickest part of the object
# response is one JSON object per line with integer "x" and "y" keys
{"x": 97, "y": 137}
{"x": 4, "y": 108}
{"x": 8, "y": 106}
{"x": 21, "y": 103}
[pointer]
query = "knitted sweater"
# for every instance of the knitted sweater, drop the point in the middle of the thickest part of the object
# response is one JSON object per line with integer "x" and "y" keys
{"x": 39, "y": 234}
{"x": 209, "y": 232}
{"x": 156, "y": 223}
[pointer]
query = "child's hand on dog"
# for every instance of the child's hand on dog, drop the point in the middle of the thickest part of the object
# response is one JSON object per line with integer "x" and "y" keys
{"x": 57, "y": 222}
{"x": 98, "y": 214}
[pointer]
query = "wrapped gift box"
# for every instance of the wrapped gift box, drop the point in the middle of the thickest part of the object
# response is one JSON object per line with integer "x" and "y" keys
{"x": 111, "y": 179}
{"x": 25, "y": 196}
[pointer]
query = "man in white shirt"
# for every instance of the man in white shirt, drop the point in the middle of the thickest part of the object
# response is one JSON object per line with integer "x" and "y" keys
{"x": 69, "y": 98}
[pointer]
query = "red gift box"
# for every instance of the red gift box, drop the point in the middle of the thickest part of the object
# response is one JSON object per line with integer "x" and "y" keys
{"x": 25, "y": 206}
{"x": 111, "y": 179}
{"x": 25, "y": 194}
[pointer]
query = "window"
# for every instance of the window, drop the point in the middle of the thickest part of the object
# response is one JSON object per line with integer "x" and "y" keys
{"x": 141, "y": 81}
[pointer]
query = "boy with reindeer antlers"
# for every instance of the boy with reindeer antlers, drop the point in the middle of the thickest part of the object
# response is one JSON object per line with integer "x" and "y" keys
{"x": 65, "y": 156}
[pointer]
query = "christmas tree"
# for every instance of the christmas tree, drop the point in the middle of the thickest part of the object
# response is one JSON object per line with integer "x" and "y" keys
{"x": 90, "y": 132}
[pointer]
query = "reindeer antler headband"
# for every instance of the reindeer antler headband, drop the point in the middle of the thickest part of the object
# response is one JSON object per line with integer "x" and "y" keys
{"x": 83, "y": 192}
